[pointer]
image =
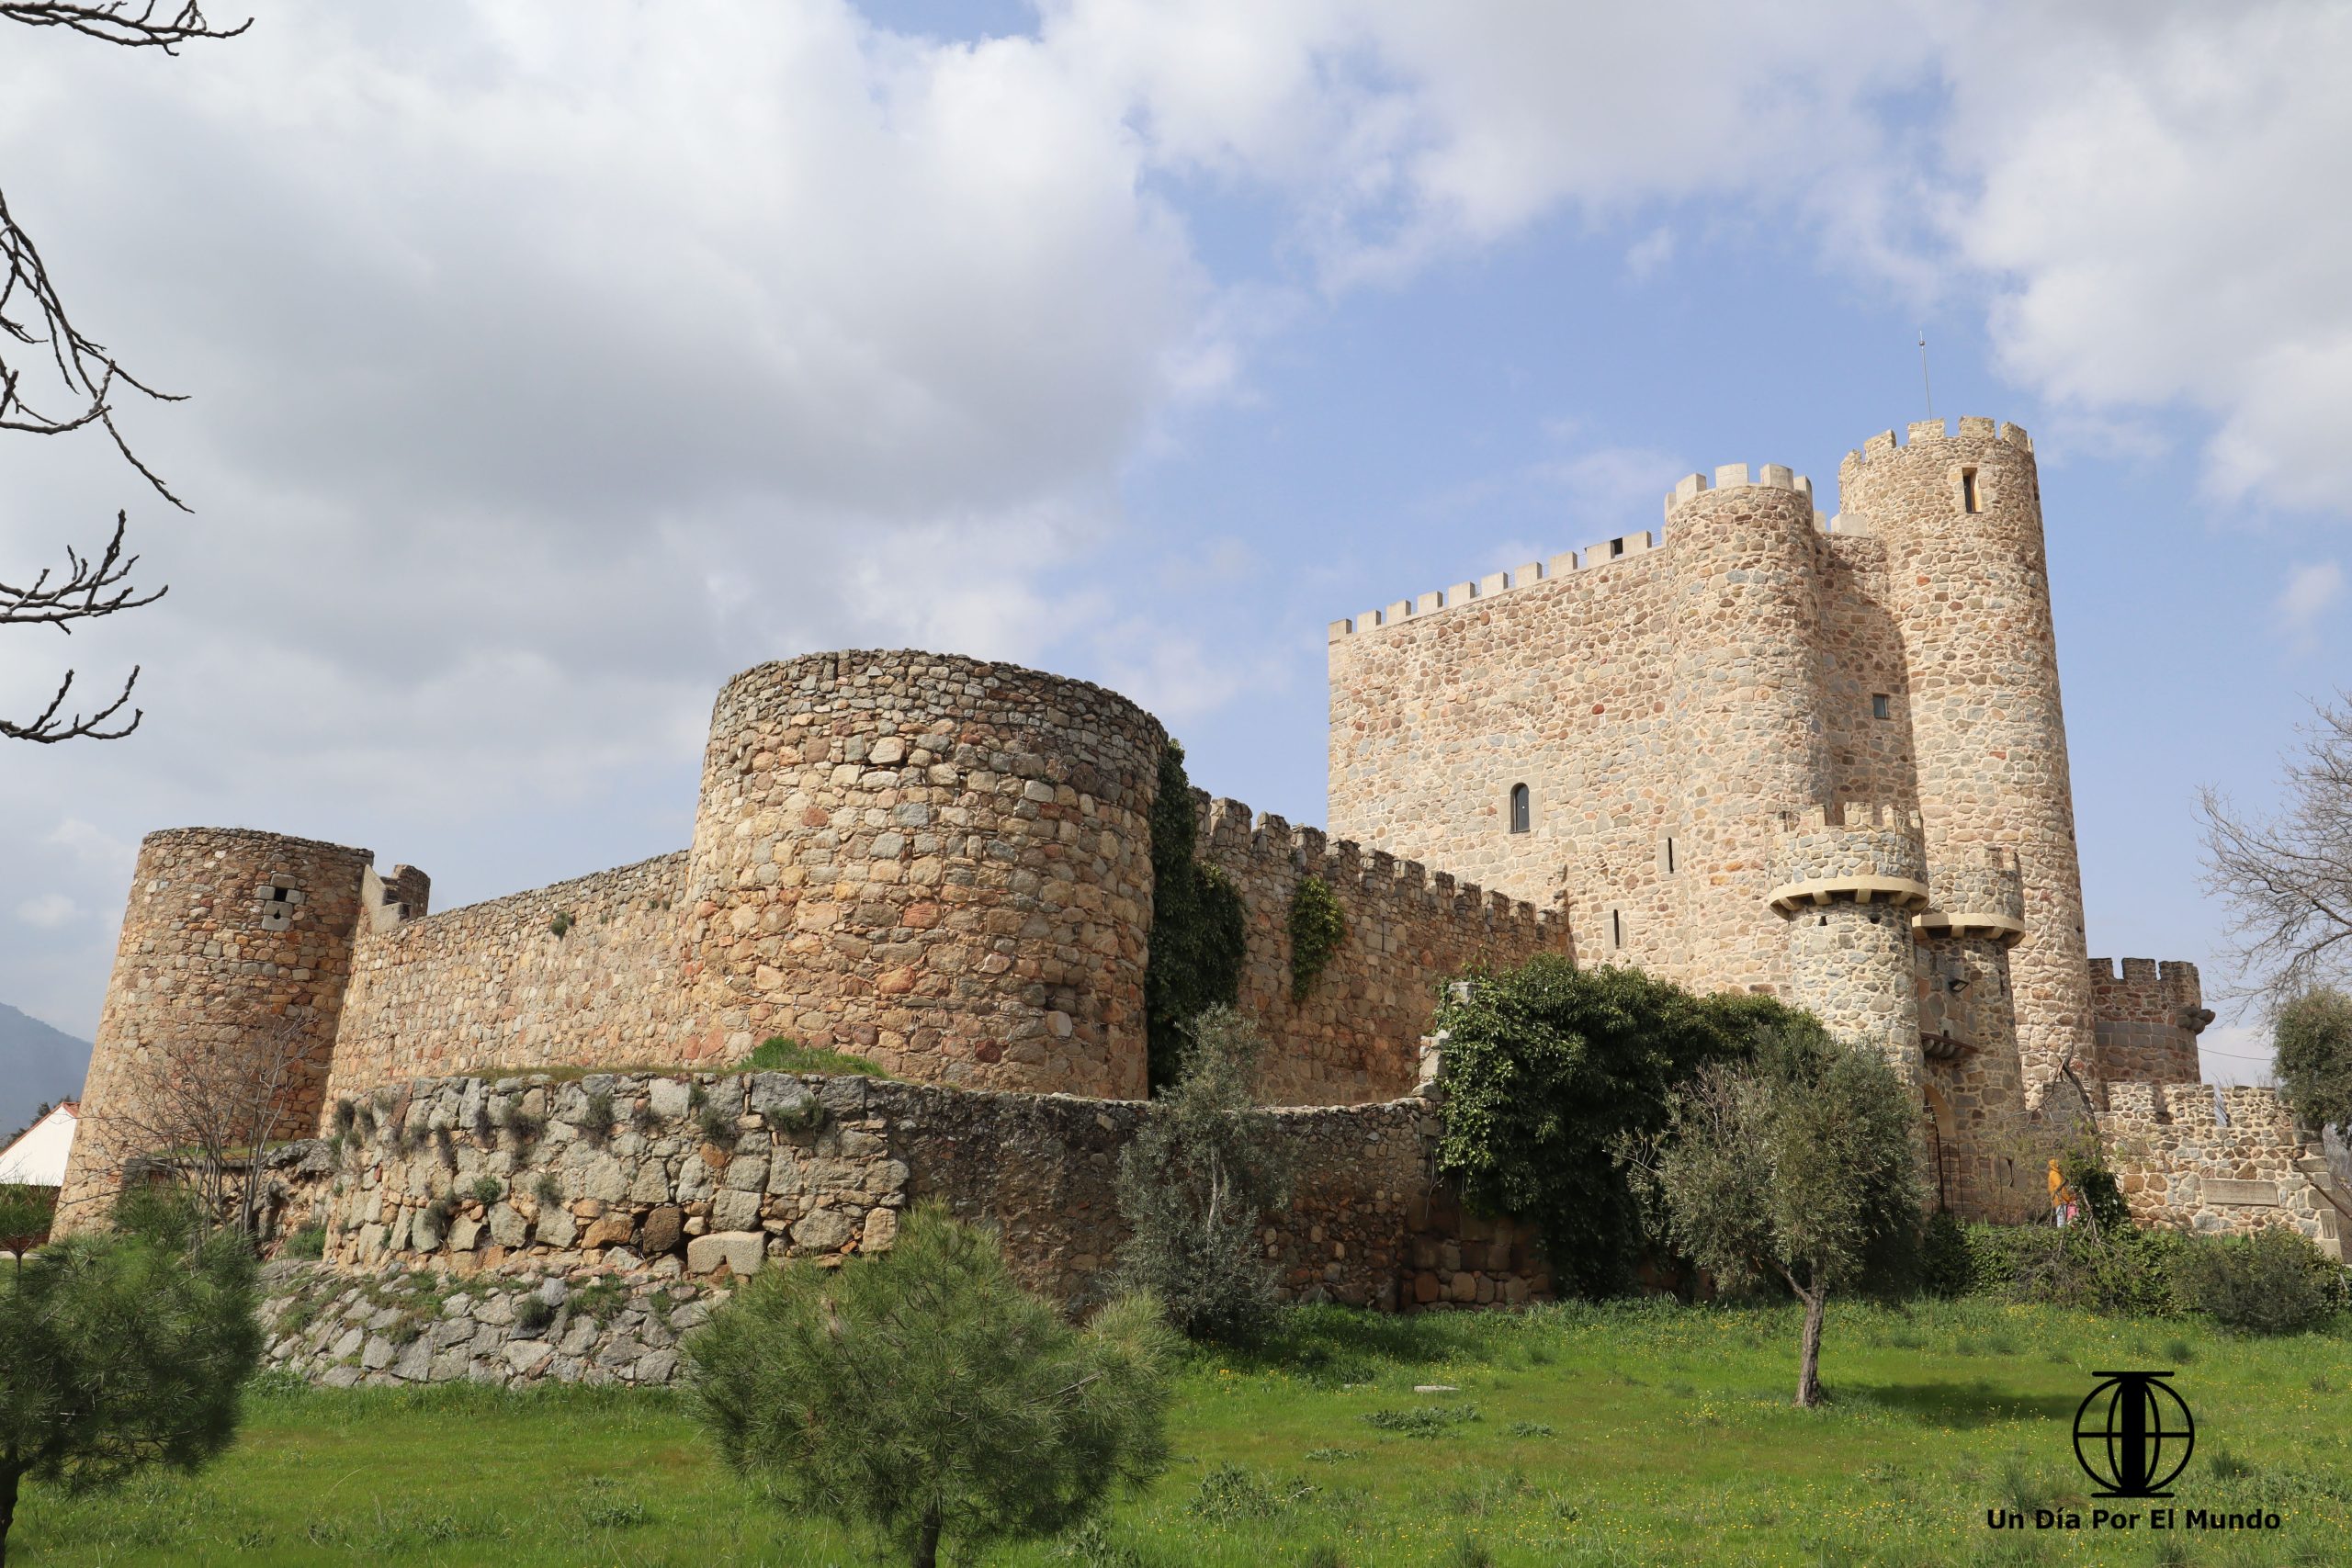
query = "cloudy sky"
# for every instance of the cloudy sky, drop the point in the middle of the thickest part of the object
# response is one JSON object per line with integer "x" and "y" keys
{"x": 549, "y": 363}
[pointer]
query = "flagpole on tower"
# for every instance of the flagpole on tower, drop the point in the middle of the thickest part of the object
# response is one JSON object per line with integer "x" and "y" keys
{"x": 1927, "y": 386}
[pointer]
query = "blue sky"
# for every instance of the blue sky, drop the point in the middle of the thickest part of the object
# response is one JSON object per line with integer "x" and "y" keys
{"x": 547, "y": 368}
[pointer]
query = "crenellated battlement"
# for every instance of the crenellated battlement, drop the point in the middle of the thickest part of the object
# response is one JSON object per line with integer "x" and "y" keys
{"x": 1734, "y": 476}
{"x": 1865, "y": 851}
{"x": 1230, "y": 832}
{"x": 1972, "y": 427}
{"x": 1568, "y": 563}
{"x": 1976, "y": 893}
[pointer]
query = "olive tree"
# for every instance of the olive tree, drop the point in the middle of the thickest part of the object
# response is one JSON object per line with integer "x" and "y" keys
{"x": 118, "y": 1353}
{"x": 924, "y": 1396}
{"x": 1194, "y": 1182}
{"x": 2313, "y": 1042}
{"x": 1798, "y": 1163}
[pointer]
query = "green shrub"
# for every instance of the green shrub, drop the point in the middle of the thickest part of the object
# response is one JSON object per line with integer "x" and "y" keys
{"x": 1199, "y": 926}
{"x": 596, "y": 1117}
{"x": 1545, "y": 1067}
{"x": 1193, "y": 1183}
{"x": 164, "y": 1212}
{"x": 116, "y": 1354}
{"x": 26, "y": 1213}
{"x": 533, "y": 1313}
{"x": 2115, "y": 1272}
{"x": 779, "y": 1055}
{"x": 547, "y": 1190}
{"x": 2273, "y": 1281}
{"x": 1945, "y": 1266}
{"x": 562, "y": 923}
{"x": 717, "y": 1123}
{"x": 487, "y": 1191}
{"x": 1317, "y": 927}
{"x": 1233, "y": 1491}
{"x": 926, "y": 1396}
{"x": 310, "y": 1242}
{"x": 1421, "y": 1420}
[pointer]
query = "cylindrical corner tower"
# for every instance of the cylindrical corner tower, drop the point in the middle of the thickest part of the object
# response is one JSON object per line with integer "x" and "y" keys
{"x": 1746, "y": 708}
{"x": 940, "y": 864}
{"x": 1847, "y": 889}
{"x": 1969, "y": 589}
{"x": 235, "y": 948}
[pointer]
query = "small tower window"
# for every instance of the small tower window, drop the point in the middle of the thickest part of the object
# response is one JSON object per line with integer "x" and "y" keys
{"x": 1882, "y": 705}
{"x": 1969, "y": 499}
{"x": 1616, "y": 928}
{"x": 1518, "y": 809}
{"x": 1670, "y": 855}
{"x": 1616, "y": 548}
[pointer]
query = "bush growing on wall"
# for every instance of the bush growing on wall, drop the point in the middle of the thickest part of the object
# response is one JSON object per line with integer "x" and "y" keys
{"x": 1193, "y": 1184}
{"x": 1198, "y": 925}
{"x": 1544, "y": 1067}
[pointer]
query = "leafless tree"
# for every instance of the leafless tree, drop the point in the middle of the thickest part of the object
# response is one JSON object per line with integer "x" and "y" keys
{"x": 79, "y": 383}
{"x": 2288, "y": 878}
{"x": 205, "y": 1112}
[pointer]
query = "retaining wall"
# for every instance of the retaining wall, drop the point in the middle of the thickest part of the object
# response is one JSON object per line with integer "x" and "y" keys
{"x": 2182, "y": 1167}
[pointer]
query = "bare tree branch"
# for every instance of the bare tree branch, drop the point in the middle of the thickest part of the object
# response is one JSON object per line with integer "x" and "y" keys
{"x": 145, "y": 26}
{"x": 2288, "y": 878}
{"x": 33, "y": 315}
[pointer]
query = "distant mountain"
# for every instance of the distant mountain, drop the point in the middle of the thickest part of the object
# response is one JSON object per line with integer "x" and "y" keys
{"x": 36, "y": 1062}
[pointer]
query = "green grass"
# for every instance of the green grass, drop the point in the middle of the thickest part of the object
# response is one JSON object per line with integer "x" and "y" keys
{"x": 781, "y": 1055}
{"x": 1603, "y": 1436}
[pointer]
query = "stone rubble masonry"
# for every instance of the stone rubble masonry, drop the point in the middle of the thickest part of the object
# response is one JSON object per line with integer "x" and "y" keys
{"x": 1355, "y": 1035}
{"x": 399, "y": 1326}
{"x": 497, "y": 984}
{"x": 711, "y": 1175}
{"x": 942, "y": 865}
{"x": 2149, "y": 1019}
{"x": 2181, "y": 1167}
{"x": 235, "y": 943}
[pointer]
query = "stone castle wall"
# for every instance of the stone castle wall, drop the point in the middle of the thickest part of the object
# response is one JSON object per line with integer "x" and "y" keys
{"x": 941, "y": 865}
{"x": 692, "y": 1175}
{"x": 234, "y": 953}
{"x": 1355, "y": 1035}
{"x": 589, "y": 972}
{"x": 2184, "y": 1168}
{"x": 2148, "y": 1020}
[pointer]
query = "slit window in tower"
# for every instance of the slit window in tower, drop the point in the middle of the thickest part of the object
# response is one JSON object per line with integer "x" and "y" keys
{"x": 1616, "y": 927}
{"x": 1670, "y": 855}
{"x": 1882, "y": 705}
{"x": 1969, "y": 500}
{"x": 1518, "y": 809}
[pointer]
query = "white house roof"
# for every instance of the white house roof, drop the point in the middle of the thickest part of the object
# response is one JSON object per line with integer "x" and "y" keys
{"x": 38, "y": 1159}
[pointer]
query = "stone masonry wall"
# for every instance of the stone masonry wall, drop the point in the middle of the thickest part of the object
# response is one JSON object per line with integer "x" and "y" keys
{"x": 235, "y": 947}
{"x": 1356, "y": 1034}
{"x": 2182, "y": 1167}
{"x": 939, "y": 864}
{"x": 693, "y": 1176}
{"x": 2148, "y": 1020}
{"x": 496, "y": 984}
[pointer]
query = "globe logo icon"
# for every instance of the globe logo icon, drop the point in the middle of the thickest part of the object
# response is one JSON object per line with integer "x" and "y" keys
{"x": 2134, "y": 1434}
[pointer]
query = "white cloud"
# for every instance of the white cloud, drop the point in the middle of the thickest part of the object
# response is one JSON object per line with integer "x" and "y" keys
{"x": 1649, "y": 253}
{"x": 49, "y": 911}
{"x": 2311, "y": 591}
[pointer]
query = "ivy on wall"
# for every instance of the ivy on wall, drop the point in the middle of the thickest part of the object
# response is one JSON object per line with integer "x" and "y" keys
{"x": 1317, "y": 927}
{"x": 1546, "y": 1068}
{"x": 1198, "y": 925}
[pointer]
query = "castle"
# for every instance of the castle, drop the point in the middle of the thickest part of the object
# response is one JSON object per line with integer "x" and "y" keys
{"x": 1818, "y": 757}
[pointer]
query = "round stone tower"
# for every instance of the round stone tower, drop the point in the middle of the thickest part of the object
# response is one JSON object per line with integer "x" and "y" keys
{"x": 1847, "y": 887}
{"x": 234, "y": 951}
{"x": 1746, "y": 701}
{"x": 939, "y": 864}
{"x": 1969, "y": 590}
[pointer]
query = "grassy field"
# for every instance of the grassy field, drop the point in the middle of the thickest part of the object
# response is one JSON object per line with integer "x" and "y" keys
{"x": 1573, "y": 1435}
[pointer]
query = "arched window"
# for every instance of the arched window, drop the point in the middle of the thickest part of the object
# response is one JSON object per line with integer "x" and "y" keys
{"x": 1518, "y": 809}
